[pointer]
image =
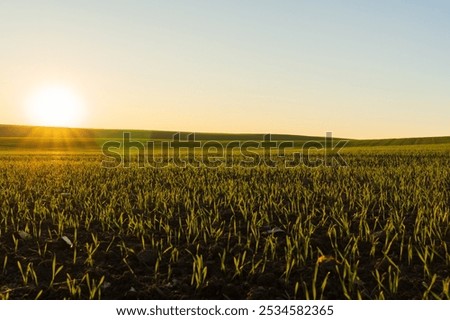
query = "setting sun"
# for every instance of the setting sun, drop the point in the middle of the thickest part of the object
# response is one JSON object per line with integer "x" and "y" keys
{"x": 55, "y": 106}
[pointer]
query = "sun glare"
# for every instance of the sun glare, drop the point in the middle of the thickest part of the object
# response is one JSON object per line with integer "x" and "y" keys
{"x": 55, "y": 106}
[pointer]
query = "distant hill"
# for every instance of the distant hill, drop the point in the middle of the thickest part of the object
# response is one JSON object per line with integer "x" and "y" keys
{"x": 399, "y": 141}
{"x": 16, "y": 131}
{"x": 13, "y": 137}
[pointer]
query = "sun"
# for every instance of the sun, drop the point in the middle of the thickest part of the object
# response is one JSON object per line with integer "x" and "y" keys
{"x": 55, "y": 105}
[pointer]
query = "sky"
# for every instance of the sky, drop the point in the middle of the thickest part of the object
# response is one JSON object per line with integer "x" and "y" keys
{"x": 360, "y": 69}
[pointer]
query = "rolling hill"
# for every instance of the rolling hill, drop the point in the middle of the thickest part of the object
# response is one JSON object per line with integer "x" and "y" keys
{"x": 16, "y": 137}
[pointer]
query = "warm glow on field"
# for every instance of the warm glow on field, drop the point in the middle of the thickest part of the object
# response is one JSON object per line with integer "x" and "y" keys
{"x": 55, "y": 106}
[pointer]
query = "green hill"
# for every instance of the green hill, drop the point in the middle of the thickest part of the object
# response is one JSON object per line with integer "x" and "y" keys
{"x": 15, "y": 131}
{"x": 15, "y": 137}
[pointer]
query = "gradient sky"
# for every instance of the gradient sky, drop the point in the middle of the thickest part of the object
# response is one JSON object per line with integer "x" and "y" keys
{"x": 361, "y": 69}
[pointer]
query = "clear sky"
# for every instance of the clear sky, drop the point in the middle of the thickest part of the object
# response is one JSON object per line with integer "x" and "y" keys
{"x": 361, "y": 69}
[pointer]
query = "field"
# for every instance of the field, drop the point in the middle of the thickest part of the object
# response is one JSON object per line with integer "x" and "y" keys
{"x": 376, "y": 228}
